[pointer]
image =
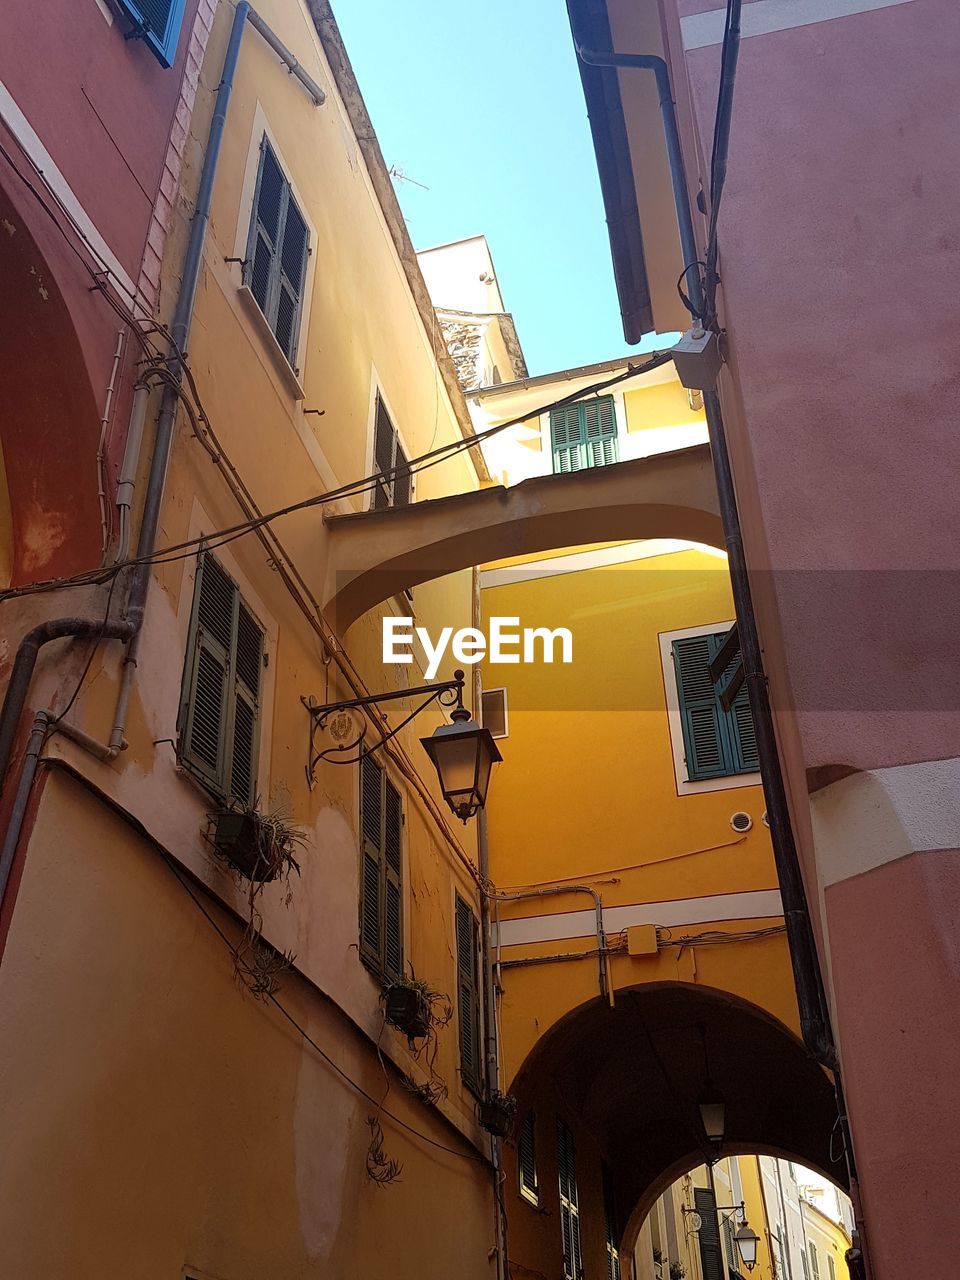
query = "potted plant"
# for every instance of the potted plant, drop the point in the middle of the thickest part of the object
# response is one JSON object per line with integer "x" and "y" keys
{"x": 259, "y": 845}
{"x": 407, "y": 1005}
{"x": 497, "y": 1113}
{"x": 677, "y": 1271}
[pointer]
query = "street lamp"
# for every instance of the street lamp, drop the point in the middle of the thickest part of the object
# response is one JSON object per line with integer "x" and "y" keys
{"x": 463, "y": 752}
{"x": 747, "y": 1241}
{"x": 712, "y": 1114}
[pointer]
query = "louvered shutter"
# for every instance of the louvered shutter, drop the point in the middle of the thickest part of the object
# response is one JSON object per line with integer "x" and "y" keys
{"x": 277, "y": 253}
{"x": 708, "y": 1237}
{"x": 371, "y": 875}
{"x": 381, "y": 871}
{"x": 527, "y": 1157}
{"x": 600, "y": 432}
{"x": 393, "y": 891}
{"x": 468, "y": 993}
{"x": 394, "y": 486}
{"x": 569, "y": 1208}
{"x": 814, "y": 1261}
{"x": 220, "y": 708}
{"x": 611, "y": 1224}
{"x": 699, "y": 708}
{"x": 565, "y": 431}
{"x": 159, "y": 24}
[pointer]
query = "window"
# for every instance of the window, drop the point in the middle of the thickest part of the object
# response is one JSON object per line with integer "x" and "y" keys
{"x": 527, "y": 1159}
{"x": 831, "y": 1267}
{"x": 157, "y": 22}
{"x": 708, "y": 1237}
{"x": 569, "y": 1204}
{"x": 393, "y": 487}
{"x": 806, "y": 1268}
{"x": 468, "y": 994}
{"x": 584, "y": 435}
{"x": 381, "y": 882}
{"x": 219, "y": 717}
{"x": 277, "y": 250}
{"x": 611, "y": 1223}
{"x": 716, "y": 743}
{"x": 814, "y": 1261}
{"x": 493, "y": 703}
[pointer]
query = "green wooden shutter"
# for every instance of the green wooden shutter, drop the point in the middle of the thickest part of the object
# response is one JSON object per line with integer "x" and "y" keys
{"x": 277, "y": 252}
{"x": 700, "y": 711}
{"x": 394, "y": 488}
{"x": 468, "y": 993}
{"x": 371, "y": 872}
{"x": 600, "y": 432}
{"x": 717, "y": 743}
{"x": 393, "y": 882}
{"x": 566, "y": 437}
{"x": 527, "y": 1157}
{"x": 220, "y": 703}
{"x": 708, "y": 1237}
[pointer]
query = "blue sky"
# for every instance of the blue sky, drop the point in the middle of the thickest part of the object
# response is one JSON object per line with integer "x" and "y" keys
{"x": 481, "y": 102}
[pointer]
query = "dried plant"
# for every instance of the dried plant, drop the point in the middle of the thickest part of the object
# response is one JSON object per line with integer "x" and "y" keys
{"x": 381, "y": 1170}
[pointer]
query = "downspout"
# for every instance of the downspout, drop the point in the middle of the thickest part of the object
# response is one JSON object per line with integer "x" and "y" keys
{"x": 129, "y": 628}
{"x": 491, "y": 1059}
{"x": 808, "y": 980}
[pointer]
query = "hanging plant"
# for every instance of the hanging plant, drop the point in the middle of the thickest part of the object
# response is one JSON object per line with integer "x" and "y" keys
{"x": 260, "y": 846}
{"x": 413, "y": 1007}
{"x": 677, "y": 1271}
{"x": 498, "y": 1112}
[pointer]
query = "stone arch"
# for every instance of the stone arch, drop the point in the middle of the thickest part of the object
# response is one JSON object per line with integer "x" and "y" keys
{"x": 376, "y": 555}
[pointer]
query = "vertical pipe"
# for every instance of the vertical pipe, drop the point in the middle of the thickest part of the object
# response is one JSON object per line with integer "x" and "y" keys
{"x": 38, "y": 735}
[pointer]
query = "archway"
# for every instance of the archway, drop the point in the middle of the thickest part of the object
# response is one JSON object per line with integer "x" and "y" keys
{"x": 626, "y": 1081}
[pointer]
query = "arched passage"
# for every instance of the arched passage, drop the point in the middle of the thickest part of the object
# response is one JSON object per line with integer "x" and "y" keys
{"x": 377, "y": 554}
{"x": 627, "y": 1080}
{"x": 49, "y": 420}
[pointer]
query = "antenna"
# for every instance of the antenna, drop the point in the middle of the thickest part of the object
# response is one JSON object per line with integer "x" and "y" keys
{"x": 399, "y": 175}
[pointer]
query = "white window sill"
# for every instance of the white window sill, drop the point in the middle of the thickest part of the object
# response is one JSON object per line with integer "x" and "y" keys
{"x": 280, "y": 362}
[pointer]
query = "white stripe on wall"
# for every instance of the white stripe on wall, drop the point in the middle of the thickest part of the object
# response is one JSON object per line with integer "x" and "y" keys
{"x": 763, "y": 16}
{"x": 759, "y": 904}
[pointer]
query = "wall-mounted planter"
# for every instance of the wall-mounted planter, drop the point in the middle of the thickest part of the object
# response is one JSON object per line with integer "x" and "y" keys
{"x": 248, "y": 844}
{"x": 408, "y": 1009}
{"x": 497, "y": 1114}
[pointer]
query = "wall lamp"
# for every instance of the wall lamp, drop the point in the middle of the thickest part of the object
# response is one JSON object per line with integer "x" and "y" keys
{"x": 745, "y": 1237}
{"x": 463, "y": 752}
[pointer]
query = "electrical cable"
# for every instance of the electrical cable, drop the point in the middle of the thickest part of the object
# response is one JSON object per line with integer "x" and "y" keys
{"x": 165, "y": 555}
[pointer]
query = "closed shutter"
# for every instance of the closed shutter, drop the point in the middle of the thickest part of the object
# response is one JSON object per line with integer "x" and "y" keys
{"x": 220, "y": 701}
{"x": 277, "y": 252}
{"x": 468, "y": 993}
{"x": 584, "y": 435}
{"x": 600, "y": 432}
{"x": 611, "y": 1223}
{"x": 566, "y": 438}
{"x": 831, "y": 1268}
{"x": 711, "y": 1256}
{"x": 814, "y": 1261}
{"x": 381, "y": 871}
{"x": 569, "y": 1204}
{"x": 393, "y": 486}
{"x": 527, "y": 1158}
{"x": 158, "y": 23}
{"x": 717, "y": 743}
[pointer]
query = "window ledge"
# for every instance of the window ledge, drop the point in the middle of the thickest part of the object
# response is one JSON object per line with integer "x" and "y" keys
{"x": 280, "y": 362}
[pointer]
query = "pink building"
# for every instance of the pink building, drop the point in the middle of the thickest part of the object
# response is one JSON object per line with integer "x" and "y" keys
{"x": 839, "y": 266}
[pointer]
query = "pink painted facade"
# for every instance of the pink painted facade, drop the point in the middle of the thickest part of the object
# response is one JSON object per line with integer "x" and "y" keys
{"x": 840, "y": 266}
{"x": 93, "y": 122}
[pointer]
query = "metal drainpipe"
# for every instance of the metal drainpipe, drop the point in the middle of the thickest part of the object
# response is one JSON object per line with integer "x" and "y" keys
{"x": 129, "y": 629}
{"x": 811, "y": 998}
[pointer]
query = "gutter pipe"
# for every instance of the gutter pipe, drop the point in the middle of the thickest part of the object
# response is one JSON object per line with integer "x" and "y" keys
{"x": 129, "y": 628}
{"x": 808, "y": 979}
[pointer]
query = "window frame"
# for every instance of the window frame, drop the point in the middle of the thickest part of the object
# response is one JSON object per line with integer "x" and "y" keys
{"x": 569, "y": 1203}
{"x": 685, "y": 784}
{"x": 376, "y": 959}
{"x": 485, "y": 693}
{"x": 380, "y": 405}
{"x": 610, "y": 1222}
{"x": 163, "y": 49}
{"x": 288, "y": 195}
{"x": 217, "y": 780}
